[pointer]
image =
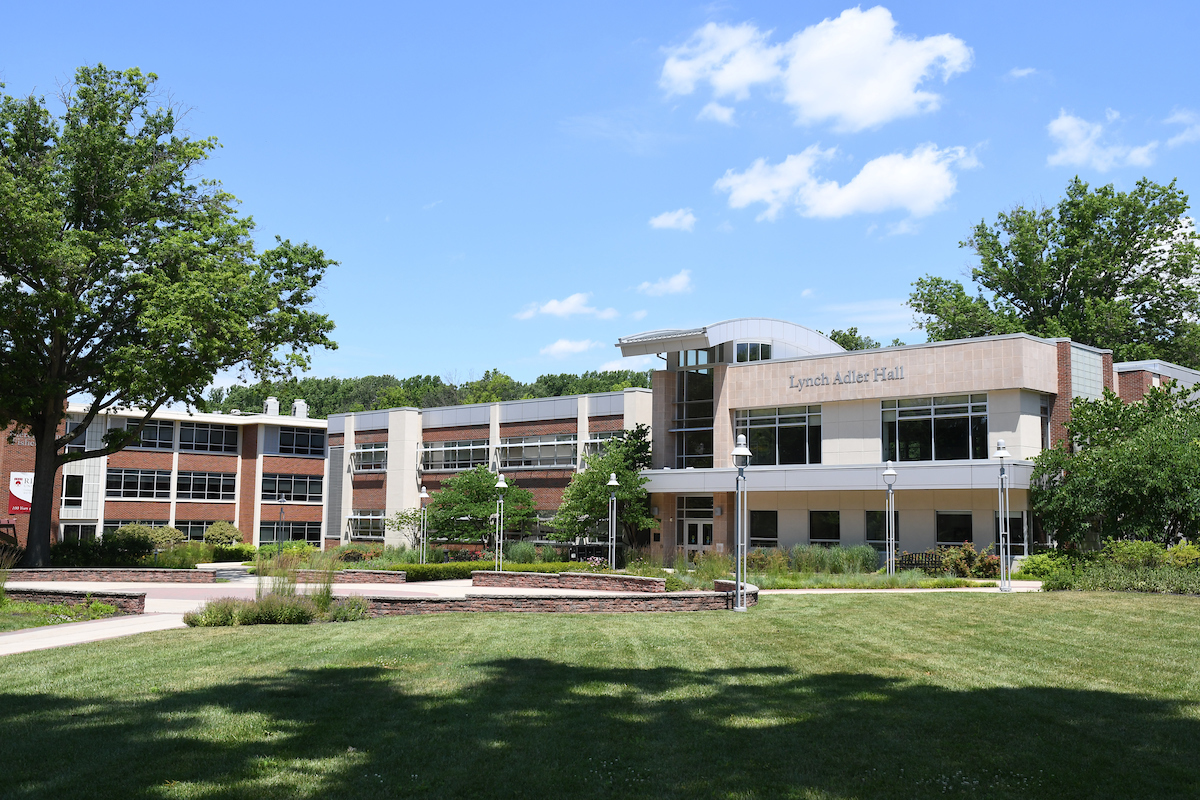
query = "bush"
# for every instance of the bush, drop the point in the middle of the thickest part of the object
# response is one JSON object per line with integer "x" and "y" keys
{"x": 1184, "y": 555}
{"x": 165, "y": 537}
{"x": 1108, "y": 576}
{"x": 222, "y": 534}
{"x": 520, "y": 553}
{"x": 675, "y": 583}
{"x": 455, "y": 570}
{"x": 549, "y": 554}
{"x": 807, "y": 558}
{"x": 1036, "y": 567}
{"x": 238, "y": 552}
{"x": 348, "y": 609}
{"x": 303, "y": 549}
{"x": 1134, "y": 553}
{"x": 124, "y": 547}
{"x": 271, "y": 609}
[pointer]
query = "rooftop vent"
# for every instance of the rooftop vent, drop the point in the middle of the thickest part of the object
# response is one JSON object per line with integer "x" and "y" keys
{"x": 299, "y": 408}
{"x": 271, "y": 406}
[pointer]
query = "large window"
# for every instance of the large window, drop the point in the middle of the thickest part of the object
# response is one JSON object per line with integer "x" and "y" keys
{"x": 208, "y": 438}
{"x": 72, "y": 491}
{"x": 935, "y": 428}
{"x": 205, "y": 486}
{"x": 156, "y": 434}
{"x": 549, "y": 450}
{"x": 76, "y": 532}
{"x": 788, "y": 435}
{"x": 954, "y": 528}
{"x": 825, "y": 527}
{"x": 1016, "y": 534}
{"x": 139, "y": 483}
{"x": 598, "y": 439}
{"x": 193, "y": 530}
{"x": 462, "y": 454}
{"x": 764, "y": 529}
{"x": 79, "y": 443}
{"x": 753, "y": 351}
{"x": 301, "y": 442}
{"x": 293, "y": 488}
{"x": 366, "y": 524}
{"x": 273, "y": 532}
{"x": 369, "y": 457}
{"x": 693, "y": 426}
{"x": 877, "y": 528}
{"x": 111, "y": 525}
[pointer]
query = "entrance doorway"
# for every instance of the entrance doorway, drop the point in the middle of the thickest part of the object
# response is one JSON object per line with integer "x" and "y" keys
{"x": 699, "y": 537}
{"x": 694, "y": 525}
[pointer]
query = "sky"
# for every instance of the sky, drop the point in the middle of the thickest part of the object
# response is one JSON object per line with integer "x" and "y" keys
{"x": 515, "y": 186}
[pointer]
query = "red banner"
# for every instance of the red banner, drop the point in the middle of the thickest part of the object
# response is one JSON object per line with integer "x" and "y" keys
{"x": 20, "y": 492}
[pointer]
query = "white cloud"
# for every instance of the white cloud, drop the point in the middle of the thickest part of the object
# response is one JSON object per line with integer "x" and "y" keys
{"x": 677, "y": 283}
{"x": 854, "y": 70}
{"x": 567, "y": 307}
{"x": 680, "y": 220}
{"x": 1021, "y": 72}
{"x": 717, "y": 113}
{"x": 639, "y": 314}
{"x": 806, "y": 293}
{"x": 632, "y": 362}
{"x": 1082, "y": 144}
{"x": 918, "y": 183}
{"x": 565, "y": 347}
{"x": 1191, "y": 133}
{"x": 892, "y": 314}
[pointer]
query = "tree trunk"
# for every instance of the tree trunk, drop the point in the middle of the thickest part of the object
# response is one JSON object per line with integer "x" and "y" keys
{"x": 45, "y": 467}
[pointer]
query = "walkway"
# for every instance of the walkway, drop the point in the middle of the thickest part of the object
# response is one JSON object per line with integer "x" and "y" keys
{"x": 70, "y": 633}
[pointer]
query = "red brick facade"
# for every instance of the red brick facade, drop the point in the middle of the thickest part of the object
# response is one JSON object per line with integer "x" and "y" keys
{"x": 248, "y": 490}
{"x": 610, "y": 423}
{"x": 455, "y": 434}
{"x": 1134, "y": 385}
{"x": 1060, "y": 405}
{"x": 539, "y": 427}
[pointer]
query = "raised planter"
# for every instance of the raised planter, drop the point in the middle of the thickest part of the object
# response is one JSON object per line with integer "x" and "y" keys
{"x": 113, "y": 574}
{"x": 592, "y": 581}
{"x": 616, "y": 602}
{"x": 126, "y": 602}
{"x": 352, "y": 576}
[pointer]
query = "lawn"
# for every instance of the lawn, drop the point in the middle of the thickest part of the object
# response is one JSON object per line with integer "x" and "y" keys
{"x": 818, "y": 696}
{"x": 16, "y": 616}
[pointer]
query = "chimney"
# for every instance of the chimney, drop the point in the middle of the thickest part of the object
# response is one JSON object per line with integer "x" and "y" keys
{"x": 271, "y": 406}
{"x": 299, "y": 408}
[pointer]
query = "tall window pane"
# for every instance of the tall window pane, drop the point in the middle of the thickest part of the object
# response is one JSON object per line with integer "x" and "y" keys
{"x": 951, "y": 438}
{"x": 916, "y": 439}
{"x": 792, "y": 445}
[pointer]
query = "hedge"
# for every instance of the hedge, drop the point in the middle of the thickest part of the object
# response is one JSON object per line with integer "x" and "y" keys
{"x": 1116, "y": 578}
{"x": 459, "y": 570}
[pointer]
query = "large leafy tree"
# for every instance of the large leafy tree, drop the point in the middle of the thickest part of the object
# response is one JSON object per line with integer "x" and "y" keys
{"x": 585, "y": 502}
{"x": 1111, "y": 269}
{"x": 465, "y": 507}
{"x": 1133, "y": 471}
{"x": 125, "y": 279}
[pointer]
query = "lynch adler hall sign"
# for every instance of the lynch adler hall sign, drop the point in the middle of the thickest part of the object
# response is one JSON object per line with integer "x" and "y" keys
{"x": 874, "y": 375}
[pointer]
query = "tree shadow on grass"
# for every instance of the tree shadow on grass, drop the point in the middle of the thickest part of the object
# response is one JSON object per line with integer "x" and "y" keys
{"x": 539, "y": 728}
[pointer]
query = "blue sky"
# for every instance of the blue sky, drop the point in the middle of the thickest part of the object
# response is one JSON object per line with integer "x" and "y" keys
{"x": 515, "y": 186}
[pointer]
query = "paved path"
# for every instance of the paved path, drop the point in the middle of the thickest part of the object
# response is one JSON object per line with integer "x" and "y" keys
{"x": 70, "y": 633}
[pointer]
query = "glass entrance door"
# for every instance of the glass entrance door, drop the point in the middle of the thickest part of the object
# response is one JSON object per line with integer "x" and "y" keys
{"x": 699, "y": 537}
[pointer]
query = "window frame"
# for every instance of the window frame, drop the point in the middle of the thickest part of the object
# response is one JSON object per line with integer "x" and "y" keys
{"x": 824, "y": 541}
{"x": 312, "y": 531}
{"x": 926, "y": 411}
{"x": 563, "y": 447}
{"x": 221, "y": 495}
{"x": 72, "y": 500}
{"x": 155, "y": 425}
{"x": 157, "y": 493}
{"x": 764, "y": 541}
{"x": 369, "y": 520}
{"x": 376, "y": 463}
{"x": 309, "y": 448}
{"x": 456, "y": 446}
{"x": 748, "y": 421}
{"x": 939, "y": 541}
{"x": 293, "y": 496}
{"x": 209, "y": 428}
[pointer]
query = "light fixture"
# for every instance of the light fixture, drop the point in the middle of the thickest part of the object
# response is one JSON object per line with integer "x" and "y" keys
{"x": 1002, "y": 522}
{"x": 423, "y": 496}
{"x": 612, "y": 520}
{"x": 741, "y": 459}
{"x": 889, "y": 520}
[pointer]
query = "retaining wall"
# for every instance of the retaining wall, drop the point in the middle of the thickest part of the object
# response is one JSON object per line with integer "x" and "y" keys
{"x": 593, "y": 581}
{"x": 120, "y": 574}
{"x": 126, "y": 602}
{"x": 352, "y": 576}
{"x": 623, "y": 602}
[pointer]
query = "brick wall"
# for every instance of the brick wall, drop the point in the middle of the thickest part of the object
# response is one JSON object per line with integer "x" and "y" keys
{"x": 615, "y": 603}
{"x": 1134, "y": 385}
{"x": 539, "y": 427}
{"x": 137, "y": 510}
{"x": 19, "y": 457}
{"x": 293, "y": 465}
{"x": 1107, "y": 367}
{"x": 140, "y": 459}
{"x": 1060, "y": 405}
{"x": 207, "y": 462}
{"x": 126, "y": 602}
{"x": 370, "y": 491}
{"x": 608, "y": 423}
{"x": 367, "y": 437}
{"x": 292, "y": 512}
{"x": 247, "y": 478}
{"x": 352, "y": 576}
{"x": 111, "y": 574}
{"x": 546, "y": 485}
{"x": 569, "y": 580}
{"x": 454, "y": 434}
{"x": 337, "y": 440}
{"x": 185, "y": 511}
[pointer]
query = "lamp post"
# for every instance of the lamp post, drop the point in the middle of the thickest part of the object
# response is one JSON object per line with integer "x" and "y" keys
{"x": 281, "y": 499}
{"x": 500, "y": 486}
{"x": 423, "y": 496}
{"x": 889, "y": 477}
{"x": 741, "y": 458}
{"x": 1002, "y": 501}
{"x": 612, "y": 520}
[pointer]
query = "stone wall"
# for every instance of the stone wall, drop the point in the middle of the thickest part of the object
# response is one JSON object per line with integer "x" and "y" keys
{"x": 126, "y": 602}
{"x": 569, "y": 580}
{"x": 614, "y": 603}
{"x": 352, "y": 576}
{"x": 122, "y": 574}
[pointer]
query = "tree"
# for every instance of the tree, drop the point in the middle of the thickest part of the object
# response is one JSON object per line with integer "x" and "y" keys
{"x": 465, "y": 506}
{"x": 852, "y": 340}
{"x": 123, "y": 277}
{"x": 1133, "y": 472}
{"x": 406, "y": 522}
{"x": 1116, "y": 270}
{"x": 585, "y": 502}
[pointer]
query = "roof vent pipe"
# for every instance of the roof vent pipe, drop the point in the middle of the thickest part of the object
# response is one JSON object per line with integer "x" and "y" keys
{"x": 271, "y": 406}
{"x": 299, "y": 408}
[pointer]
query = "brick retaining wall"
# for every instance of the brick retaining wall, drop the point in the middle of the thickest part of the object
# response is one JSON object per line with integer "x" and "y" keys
{"x": 122, "y": 574}
{"x": 352, "y": 576}
{"x": 569, "y": 580}
{"x": 615, "y": 603}
{"x": 126, "y": 602}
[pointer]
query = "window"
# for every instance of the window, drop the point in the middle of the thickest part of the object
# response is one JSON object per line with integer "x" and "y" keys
{"x": 693, "y": 426}
{"x": 687, "y": 511}
{"x": 764, "y": 529}
{"x": 369, "y": 457}
{"x": 301, "y": 442}
{"x": 877, "y": 530}
{"x": 193, "y": 530}
{"x": 111, "y": 525}
{"x": 935, "y": 428}
{"x": 74, "y": 532}
{"x": 463, "y": 454}
{"x": 697, "y": 358}
{"x": 205, "y": 486}
{"x": 753, "y": 351}
{"x": 139, "y": 483}
{"x": 273, "y": 532}
{"x": 1016, "y": 534}
{"x": 597, "y": 439}
{"x": 366, "y": 524}
{"x": 79, "y": 443}
{"x": 72, "y": 491}
{"x": 954, "y": 528}
{"x": 825, "y": 527}
{"x": 549, "y": 450}
{"x": 294, "y": 488}
{"x": 788, "y": 435}
{"x": 208, "y": 438}
{"x": 1045, "y": 420}
{"x": 157, "y": 434}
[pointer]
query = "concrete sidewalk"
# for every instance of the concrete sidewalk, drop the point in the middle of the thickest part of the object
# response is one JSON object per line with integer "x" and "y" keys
{"x": 69, "y": 633}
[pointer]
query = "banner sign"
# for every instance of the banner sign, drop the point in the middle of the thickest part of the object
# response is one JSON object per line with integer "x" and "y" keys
{"x": 20, "y": 493}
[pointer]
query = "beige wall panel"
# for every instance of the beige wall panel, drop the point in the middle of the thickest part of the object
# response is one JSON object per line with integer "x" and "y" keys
{"x": 918, "y": 529}
{"x": 793, "y": 527}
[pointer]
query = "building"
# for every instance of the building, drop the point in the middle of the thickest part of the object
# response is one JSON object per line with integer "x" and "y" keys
{"x": 379, "y": 460}
{"x": 265, "y": 473}
{"x": 821, "y": 422}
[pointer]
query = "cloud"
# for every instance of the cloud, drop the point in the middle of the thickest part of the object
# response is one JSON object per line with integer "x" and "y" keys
{"x": 565, "y": 347}
{"x": 1189, "y": 134}
{"x": 681, "y": 220}
{"x": 855, "y": 70}
{"x": 892, "y": 313}
{"x": 1081, "y": 144}
{"x": 623, "y": 129}
{"x": 639, "y": 314}
{"x": 1021, "y": 72}
{"x": 632, "y": 362}
{"x": 567, "y": 307}
{"x": 918, "y": 183}
{"x": 677, "y": 283}
{"x": 428, "y": 206}
{"x": 717, "y": 113}
{"x": 806, "y": 293}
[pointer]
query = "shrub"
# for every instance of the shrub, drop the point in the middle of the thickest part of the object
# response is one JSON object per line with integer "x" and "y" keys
{"x": 520, "y": 553}
{"x": 271, "y": 609}
{"x": 1184, "y": 555}
{"x": 549, "y": 554}
{"x": 1134, "y": 553}
{"x": 303, "y": 549}
{"x": 124, "y": 547}
{"x": 1036, "y": 567}
{"x": 184, "y": 556}
{"x": 675, "y": 583}
{"x": 806, "y": 558}
{"x": 1108, "y": 576}
{"x": 10, "y": 556}
{"x": 454, "y": 570}
{"x": 238, "y": 552}
{"x": 348, "y": 609}
{"x": 987, "y": 566}
{"x": 222, "y": 534}
{"x": 165, "y": 537}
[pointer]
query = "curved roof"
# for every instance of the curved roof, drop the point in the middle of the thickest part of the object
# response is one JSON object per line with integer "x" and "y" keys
{"x": 797, "y": 338}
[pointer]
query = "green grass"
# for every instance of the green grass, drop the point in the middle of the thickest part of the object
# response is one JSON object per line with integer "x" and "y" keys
{"x": 818, "y": 696}
{"x": 16, "y": 616}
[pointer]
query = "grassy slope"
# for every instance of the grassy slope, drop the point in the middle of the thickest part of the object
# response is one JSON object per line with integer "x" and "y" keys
{"x": 17, "y": 616}
{"x": 807, "y": 696}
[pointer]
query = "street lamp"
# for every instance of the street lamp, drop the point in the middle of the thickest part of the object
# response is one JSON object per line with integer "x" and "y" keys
{"x": 500, "y": 486}
{"x": 889, "y": 477}
{"x": 1002, "y": 500}
{"x": 741, "y": 459}
{"x": 423, "y": 496}
{"x": 612, "y": 520}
